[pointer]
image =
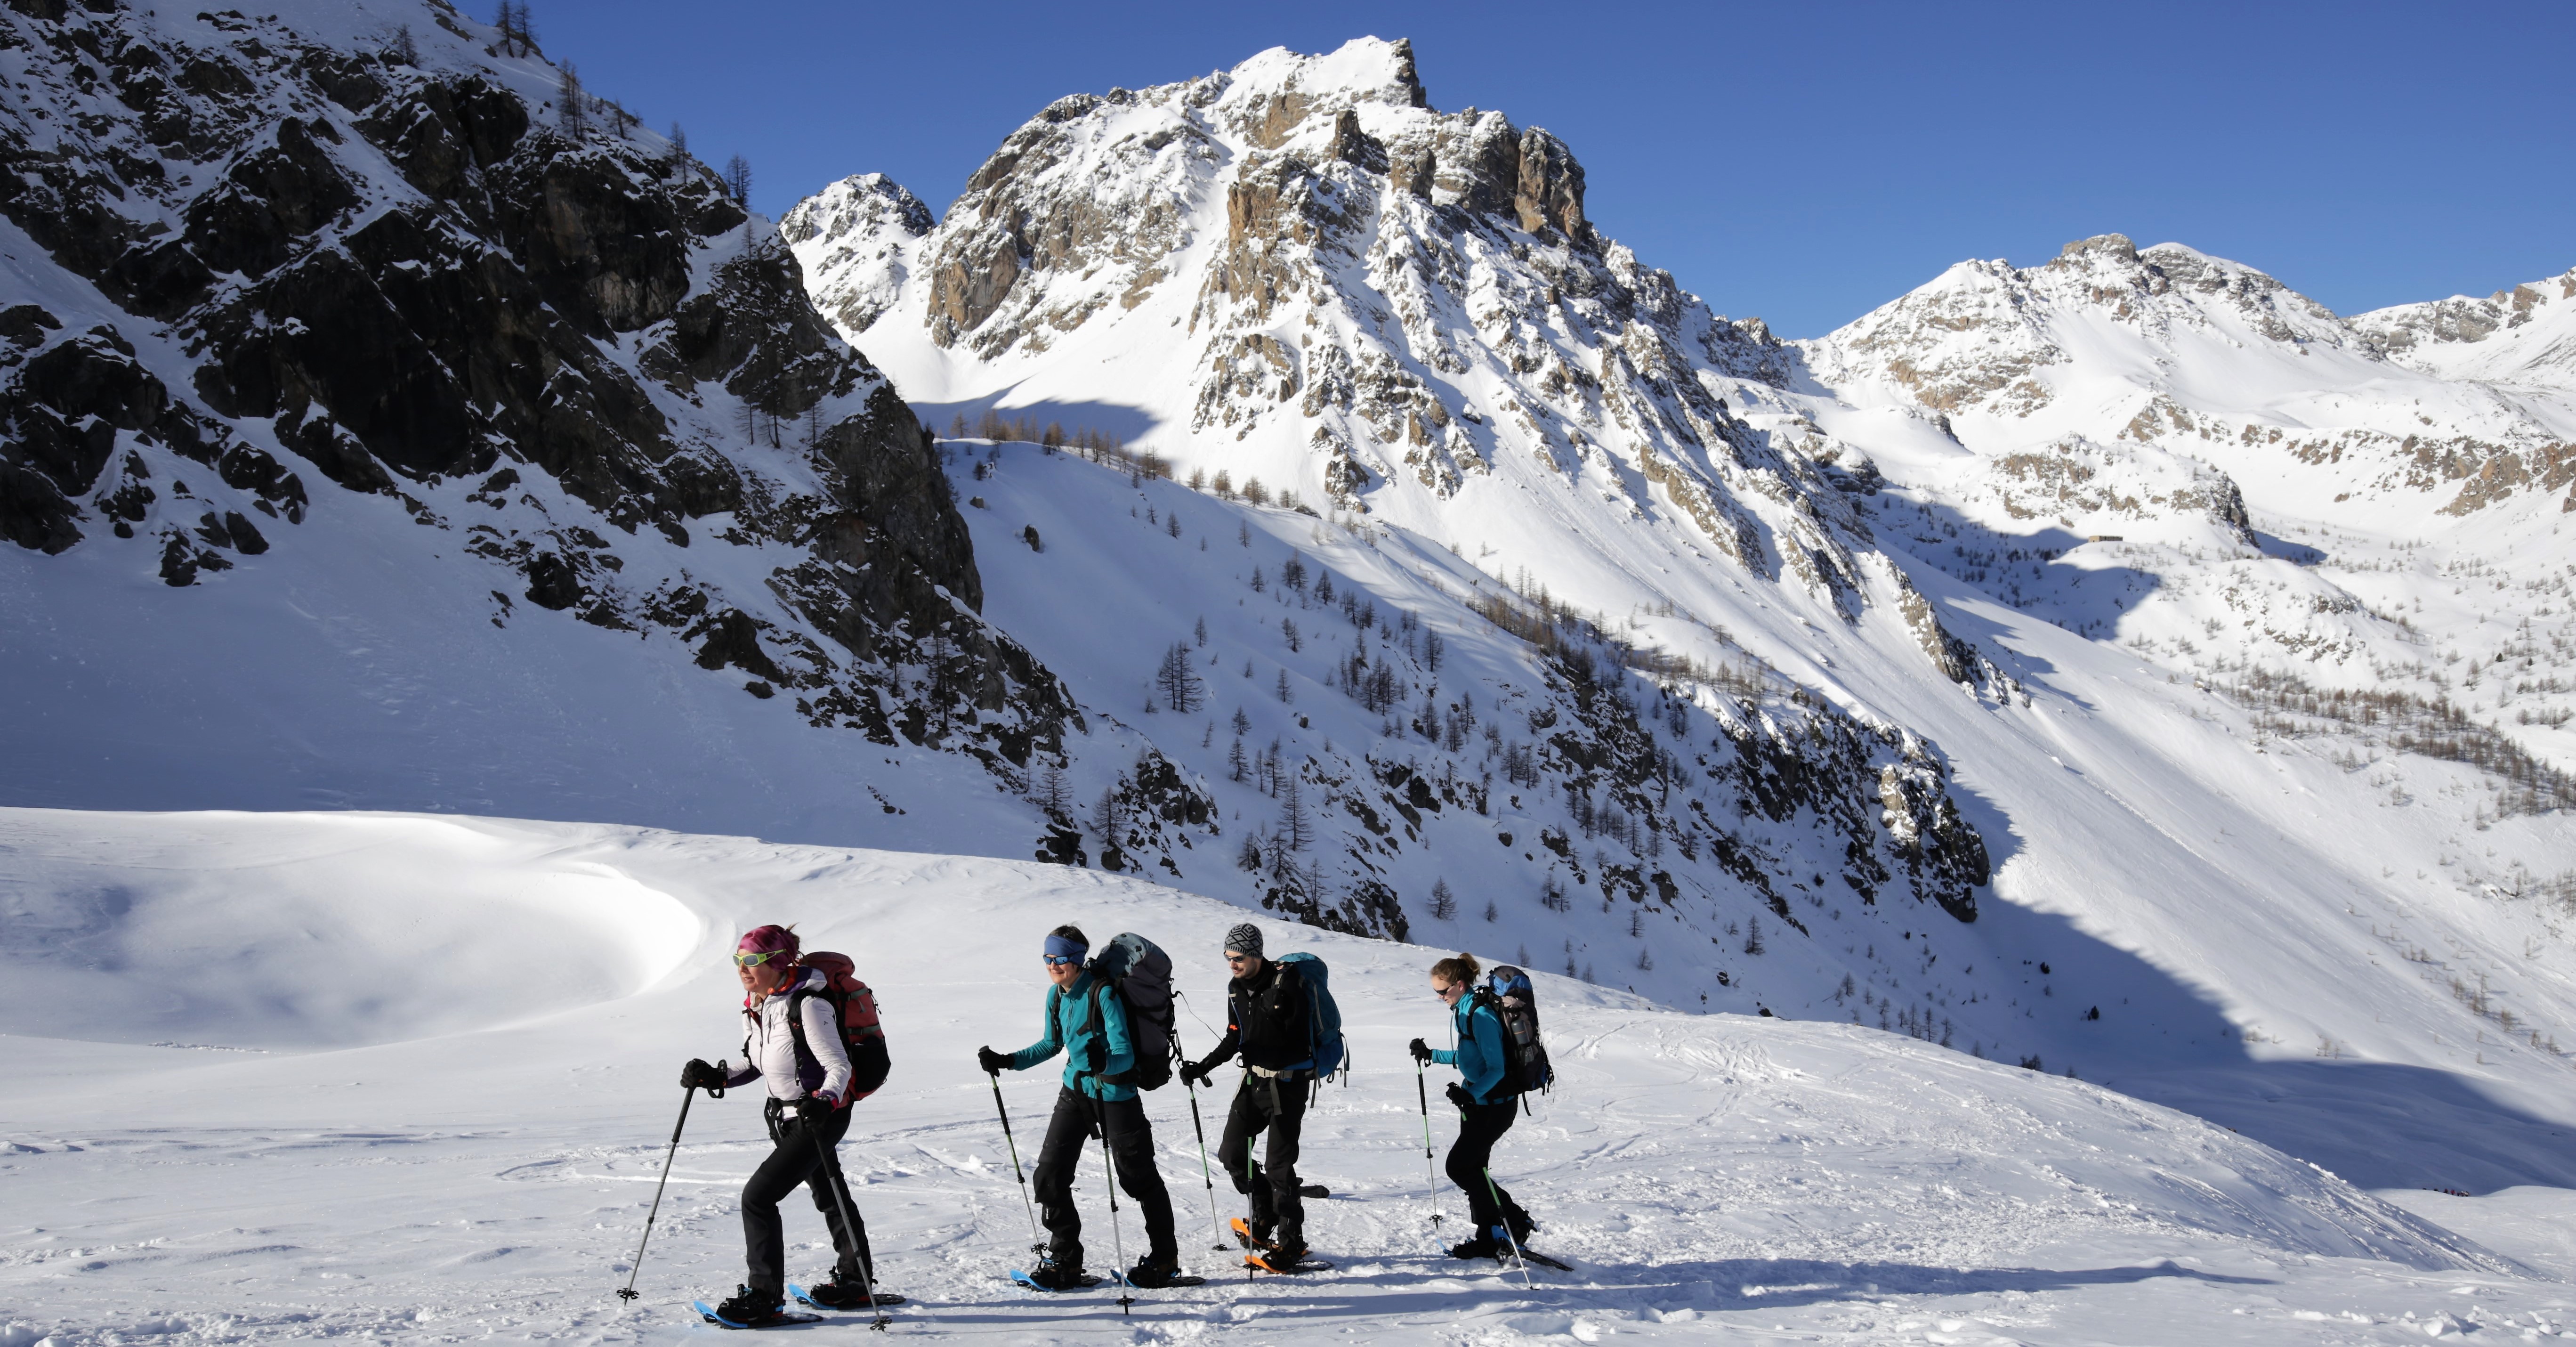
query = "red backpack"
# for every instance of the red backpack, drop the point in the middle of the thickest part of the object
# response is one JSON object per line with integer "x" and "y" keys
{"x": 861, "y": 1034}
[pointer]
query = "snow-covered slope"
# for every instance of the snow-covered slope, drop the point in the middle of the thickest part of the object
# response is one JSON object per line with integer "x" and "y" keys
{"x": 312, "y": 1146}
{"x": 2525, "y": 335}
{"x": 391, "y": 422}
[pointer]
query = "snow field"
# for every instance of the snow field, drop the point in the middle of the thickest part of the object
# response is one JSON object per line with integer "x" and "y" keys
{"x": 1707, "y": 1175}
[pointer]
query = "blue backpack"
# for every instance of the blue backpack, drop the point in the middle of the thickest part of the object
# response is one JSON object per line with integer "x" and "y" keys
{"x": 1325, "y": 1033}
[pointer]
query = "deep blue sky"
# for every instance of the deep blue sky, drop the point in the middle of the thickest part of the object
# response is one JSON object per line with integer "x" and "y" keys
{"x": 1802, "y": 162}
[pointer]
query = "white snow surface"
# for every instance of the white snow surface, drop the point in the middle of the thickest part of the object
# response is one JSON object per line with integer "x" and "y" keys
{"x": 322, "y": 1156}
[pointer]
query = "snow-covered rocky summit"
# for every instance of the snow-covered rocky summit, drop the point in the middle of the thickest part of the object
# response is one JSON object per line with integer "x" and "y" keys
{"x": 2255, "y": 464}
{"x": 2525, "y": 335}
{"x": 290, "y": 294}
{"x": 1302, "y": 272}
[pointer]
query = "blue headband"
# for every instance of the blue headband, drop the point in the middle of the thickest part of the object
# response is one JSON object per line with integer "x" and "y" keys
{"x": 1061, "y": 948}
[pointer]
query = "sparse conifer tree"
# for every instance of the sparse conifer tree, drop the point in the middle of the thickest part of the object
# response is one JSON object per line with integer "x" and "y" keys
{"x": 1172, "y": 525}
{"x": 404, "y": 49}
{"x": 1258, "y": 584}
{"x": 679, "y": 138}
{"x": 1444, "y": 904}
{"x": 1284, "y": 697}
{"x": 1200, "y": 631}
{"x": 1491, "y": 913}
{"x": 1178, "y": 679}
{"x": 572, "y": 106}
{"x": 737, "y": 180}
{"x": 1296, "y": 824}
{"x": 1753, "y": 936}
{"x": 1288, "y": 633}
{"x": 1224, "y": 486}
{"x": 1236, "y": 765}
{"x": 1255, "y": 492}
{"x": 1048, "y": 792}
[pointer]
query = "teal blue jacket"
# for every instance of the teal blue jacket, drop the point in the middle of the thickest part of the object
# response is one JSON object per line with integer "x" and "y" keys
{"x": 1479, "y": 1054}
{"x": 1073, "y": 1028}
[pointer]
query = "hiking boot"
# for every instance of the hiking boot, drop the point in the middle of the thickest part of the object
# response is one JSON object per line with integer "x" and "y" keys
{"x": 1482, "y": 1246}
{"x": 1252, "y": 1236}
{"x": 849, "y": 1294}
{"x": 751, "y": 1307}
{"x": 1286, "y": 1253}
{"x": 1060, "y": 1276}
{"x": 1153, "y": 1274}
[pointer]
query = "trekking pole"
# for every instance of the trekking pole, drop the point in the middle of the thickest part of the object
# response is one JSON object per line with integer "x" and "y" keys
{"x": 1117, "y": 1247}
{"x": 627, "y": 1292}
{"x": 1036, "y": 1243}
{"x": 1506, "y": 1227}
{"x": 1422, "y": 1092}
{"x": 1206, "y": 1175}
{"x": 830, "y": 1173}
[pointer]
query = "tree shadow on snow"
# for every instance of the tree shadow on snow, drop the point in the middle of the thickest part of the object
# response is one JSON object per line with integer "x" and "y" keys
{"x": 1126, "y": 423}
{"x": 1768, "y": 1283}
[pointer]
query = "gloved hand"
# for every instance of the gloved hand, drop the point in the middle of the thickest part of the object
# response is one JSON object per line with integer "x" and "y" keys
{"x": 814, "y": 1108}
{"x": 1192, "y": 1073}
{"x": 994, "y": 1063}
{"x": 1458, "y": 1095}
{"x": 1421, "y": 1051}
{"x": 698, "y": 1075}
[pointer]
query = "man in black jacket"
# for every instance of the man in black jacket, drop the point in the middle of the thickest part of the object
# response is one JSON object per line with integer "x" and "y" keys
{"x": 1270, "y": 1021}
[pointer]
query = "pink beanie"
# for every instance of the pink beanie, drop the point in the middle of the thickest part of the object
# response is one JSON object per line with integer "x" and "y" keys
{"x": 765, "y": 938}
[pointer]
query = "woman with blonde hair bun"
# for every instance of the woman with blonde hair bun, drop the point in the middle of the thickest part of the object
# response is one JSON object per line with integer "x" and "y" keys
{"x": 1485, "y": 1103}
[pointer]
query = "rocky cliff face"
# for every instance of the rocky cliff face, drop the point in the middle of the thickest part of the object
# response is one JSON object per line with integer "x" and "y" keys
{"x": 1303, "y": 279}
{"x": 264, "y": 264}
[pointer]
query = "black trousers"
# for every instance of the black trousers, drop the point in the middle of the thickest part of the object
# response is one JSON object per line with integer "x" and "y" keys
{"x": 1479, "y": 1127}
{"x": 791, "y": 1162}
{"x": 1076, "y": 1120}
{"x": 1278, "y": 1108}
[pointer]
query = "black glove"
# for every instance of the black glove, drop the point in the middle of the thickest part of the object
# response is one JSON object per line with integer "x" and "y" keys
{"x": 1421, "y": 1051}
{"x": 1458, "y": 1095}
{"x": 811, "y": 1110}
{"x": 994, "y": 1063}
{"x": 697, "y": 1075}
{"x": 1192, "y": 1073}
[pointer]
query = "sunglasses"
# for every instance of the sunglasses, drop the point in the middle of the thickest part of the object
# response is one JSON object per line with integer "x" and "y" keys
{"x": 1054, "y": 960}
{"x": 755, "y": 958}
{"x": 1444, "y": 993}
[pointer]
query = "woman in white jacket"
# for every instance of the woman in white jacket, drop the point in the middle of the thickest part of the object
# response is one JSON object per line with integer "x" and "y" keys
{"x": 809, "y": 1094}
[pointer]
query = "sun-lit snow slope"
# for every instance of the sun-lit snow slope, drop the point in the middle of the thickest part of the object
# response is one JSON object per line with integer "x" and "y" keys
{"x": 1705, "y": 1175}
{"x": 2525, "y": 335}
{"x": 2282, "y": 941}
{"x": 2269, "y": 487}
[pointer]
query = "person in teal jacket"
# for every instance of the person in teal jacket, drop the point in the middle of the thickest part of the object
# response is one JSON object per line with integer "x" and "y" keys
{"x": 1486, "y": 1106}
{"x": 1087, "y": 1021}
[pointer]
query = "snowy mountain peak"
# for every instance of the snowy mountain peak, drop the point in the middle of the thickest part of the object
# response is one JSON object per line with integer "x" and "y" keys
{"x": 868, "y": 219}
{"x": 2526, "y": 334}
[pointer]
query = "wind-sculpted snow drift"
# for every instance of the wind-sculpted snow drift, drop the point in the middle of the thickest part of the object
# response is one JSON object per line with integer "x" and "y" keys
{"x": 491, "y": 1182}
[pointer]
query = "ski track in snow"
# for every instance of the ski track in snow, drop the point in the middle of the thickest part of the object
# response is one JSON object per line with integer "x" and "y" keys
{"x": 372, "y": 1172}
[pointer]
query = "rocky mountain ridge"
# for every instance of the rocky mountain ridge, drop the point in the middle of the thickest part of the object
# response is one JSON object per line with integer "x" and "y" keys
{"x": 304, "y": 260}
